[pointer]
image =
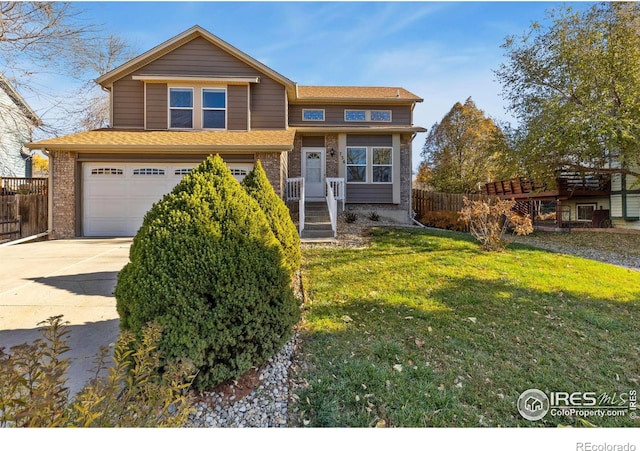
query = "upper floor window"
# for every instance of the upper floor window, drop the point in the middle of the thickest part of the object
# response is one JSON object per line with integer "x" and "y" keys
{"x": 181, "y": 107}
{"x": 355, "y": 115}
{"x": 313, "y": 115}
{"x": 380, "y": 116}
{"x": 214, "y": 108}
{"x": 367, "y": 115}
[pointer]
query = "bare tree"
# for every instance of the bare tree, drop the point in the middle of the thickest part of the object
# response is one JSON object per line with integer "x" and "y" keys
{"x": 54, "y": 39}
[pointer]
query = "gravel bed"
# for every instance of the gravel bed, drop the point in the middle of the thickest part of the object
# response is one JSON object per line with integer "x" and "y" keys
{"x": 265, "y": 406}
{"x": 620, "y": 258}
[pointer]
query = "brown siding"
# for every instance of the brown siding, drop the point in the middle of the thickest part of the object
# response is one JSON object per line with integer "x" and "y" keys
{"x": 334, "y": 114}
{"x": 268, "y": 105}
{"x": 369, "y": 140}
{"x": 369, "y": 193}
{"x": 128, "y": 103}
{"x": 201, "y": 58}
{"x": 157, "y": 106}
{"x": 313, "y": 141}
{"x": 198, "y": 58}
{"x": 237, "y": 108}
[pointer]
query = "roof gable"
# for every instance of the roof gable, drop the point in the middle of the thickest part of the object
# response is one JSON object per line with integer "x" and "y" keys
{"x": 17, "y": 99}
{"x": 179, "y": 41}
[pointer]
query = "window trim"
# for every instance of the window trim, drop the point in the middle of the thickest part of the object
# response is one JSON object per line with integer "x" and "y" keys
{"x": 170, "y": 108}
{"x": 586, "y": 204}
{"x": 367, "y": 115}
{"x": 203, "y": 108}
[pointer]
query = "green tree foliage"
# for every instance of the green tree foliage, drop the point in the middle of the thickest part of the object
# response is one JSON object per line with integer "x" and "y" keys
{"x": 423, "y": 177}
{"x": 133, "y": 394}
{"x": 463, "y": 151}
{"x": 574, "y": 86}
{"x": 258, "y": 187}
{"x": 207, "y": 268}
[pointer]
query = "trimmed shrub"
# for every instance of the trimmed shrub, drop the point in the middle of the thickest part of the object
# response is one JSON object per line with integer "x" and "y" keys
{"x": 258, "y": 186}
{"x": 207, "y": 268}
{"x": 449, "y": 220}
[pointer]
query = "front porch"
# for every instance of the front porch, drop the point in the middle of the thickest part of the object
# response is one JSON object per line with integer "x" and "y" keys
{"x": 316, "y": 218}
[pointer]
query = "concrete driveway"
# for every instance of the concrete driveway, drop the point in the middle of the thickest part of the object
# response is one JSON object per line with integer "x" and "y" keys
{"x": 74, "y": 278}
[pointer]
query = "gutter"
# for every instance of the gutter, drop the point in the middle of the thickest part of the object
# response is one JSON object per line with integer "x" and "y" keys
{"x": 22, "y": 240}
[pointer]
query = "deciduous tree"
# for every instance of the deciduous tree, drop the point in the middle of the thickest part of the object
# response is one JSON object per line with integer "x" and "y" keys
{"x": 574, "y": 86}
{"x": 463, "y": 150}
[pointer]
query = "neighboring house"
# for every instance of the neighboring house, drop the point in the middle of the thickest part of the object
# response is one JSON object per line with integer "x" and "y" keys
{"x": 625, "y": 200}
{"x": 17, "y": 121}
{"x": 588, "y": 201}
{"x": 196, "y": 95}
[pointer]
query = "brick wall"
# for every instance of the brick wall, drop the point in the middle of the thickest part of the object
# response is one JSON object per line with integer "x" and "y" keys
{"x": 331, "y": 142}
{"x": 405, "y": 172}
{"x": 272, "y": 167}
{"x": 64, "y": 194}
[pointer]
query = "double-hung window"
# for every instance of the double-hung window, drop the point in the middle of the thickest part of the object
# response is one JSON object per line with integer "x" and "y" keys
{"x": 382, "y": 160}
{"x": 214, "y": 108}
{"x": 357, "y": 164}
{"x": 369, "y": 164}
{"x": 181, "y": 108}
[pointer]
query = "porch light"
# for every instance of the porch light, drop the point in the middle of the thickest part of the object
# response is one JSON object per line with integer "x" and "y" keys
{"x": 332, "y": 152}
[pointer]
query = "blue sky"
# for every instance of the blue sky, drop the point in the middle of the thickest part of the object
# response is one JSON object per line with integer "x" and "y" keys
{"x": 441, "y": 51}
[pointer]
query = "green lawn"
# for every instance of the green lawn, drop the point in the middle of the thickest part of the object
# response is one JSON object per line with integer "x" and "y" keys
{"x": 424, "y": 328}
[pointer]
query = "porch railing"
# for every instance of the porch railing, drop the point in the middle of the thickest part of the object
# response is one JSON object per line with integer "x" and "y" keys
{"x": 332, "y": 204}
{"x": 295, "y": 192}
{"x": 336, "y": 186}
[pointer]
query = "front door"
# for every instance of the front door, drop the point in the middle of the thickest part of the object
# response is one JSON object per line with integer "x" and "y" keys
{"x": 313, "y": 172}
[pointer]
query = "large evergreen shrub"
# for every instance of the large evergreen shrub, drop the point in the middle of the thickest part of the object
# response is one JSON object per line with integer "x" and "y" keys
{"x": 207, "y": 268}
{"x": 258, "y": 186}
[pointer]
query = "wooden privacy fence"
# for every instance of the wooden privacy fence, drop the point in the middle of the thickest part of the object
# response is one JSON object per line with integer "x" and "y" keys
{"x": 424, "y": 201}
{"x": 23, "y": 208}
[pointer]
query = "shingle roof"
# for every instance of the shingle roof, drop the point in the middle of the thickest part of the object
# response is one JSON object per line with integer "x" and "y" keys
{"x": 355, "y": 93}
{"x": 110, "y": 139}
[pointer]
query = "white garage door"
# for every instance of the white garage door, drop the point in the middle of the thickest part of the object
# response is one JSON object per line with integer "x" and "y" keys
{"x": 116, "y": 196}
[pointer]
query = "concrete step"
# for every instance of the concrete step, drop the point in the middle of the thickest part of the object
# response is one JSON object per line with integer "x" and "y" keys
{"x": 317, "y": 233}
{"x": 317, "y": 226}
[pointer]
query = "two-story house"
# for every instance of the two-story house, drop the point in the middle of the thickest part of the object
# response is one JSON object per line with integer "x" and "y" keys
{"x": 17, "y": 122}
{"x": 196, "y": 95}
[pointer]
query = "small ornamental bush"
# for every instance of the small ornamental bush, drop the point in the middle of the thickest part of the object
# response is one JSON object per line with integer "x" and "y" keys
{"x": 373, "y": 216}
{"x": 207, "y": 268}
{"x": 488, "y": 222}
{"x": 350, "y": 217}
{"x": 258, "y": 186}
{"x": 133, "y": 394}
